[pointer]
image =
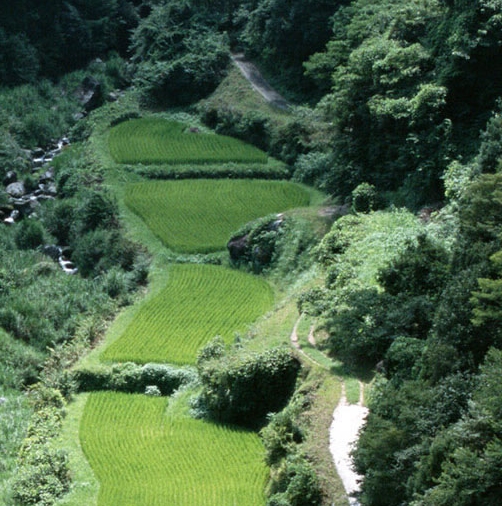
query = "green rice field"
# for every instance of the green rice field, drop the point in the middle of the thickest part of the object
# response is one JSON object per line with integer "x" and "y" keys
{"x": 145, "y": 455}
{"x": 198, "y": 216}
{"x": 198, "y": 303}
{"x": 155, "y": 140}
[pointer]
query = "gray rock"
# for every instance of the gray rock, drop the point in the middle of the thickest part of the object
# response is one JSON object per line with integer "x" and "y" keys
{"x": 9, "y": 178}
{"x": 52, "y": 251}
{"x": 238, "y": 246}
{"x": 16, "y": 190}
{"x": 47, "y": 176}
{"x": 78, "y": 116}
{"x": 26, "y": 206}
{"x": 50, "y": 189}
{"x": 38, "y": 153}
{"x": 44, "y": 197}
{"x": 90, "y": 93}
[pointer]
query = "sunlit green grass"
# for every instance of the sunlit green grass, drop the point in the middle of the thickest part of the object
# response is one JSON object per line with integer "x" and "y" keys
{"x": 145, "y": 454}
{"x": 199, "y": 216}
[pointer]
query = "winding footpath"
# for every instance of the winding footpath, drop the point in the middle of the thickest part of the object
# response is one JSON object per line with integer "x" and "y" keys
{"x": 343, "y": 433}
{"x": 348, "y": 420}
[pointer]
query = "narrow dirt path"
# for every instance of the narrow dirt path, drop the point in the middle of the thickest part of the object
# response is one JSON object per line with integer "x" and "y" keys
{"x": 311, "y": 338}
{"x": 294, "y": 334}
{"x": 253, "y": 75}
{"x": 347, "y": 421}
{"x": 296, "y": 344}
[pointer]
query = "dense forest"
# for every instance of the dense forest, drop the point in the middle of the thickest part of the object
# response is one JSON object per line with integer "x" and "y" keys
{"x": 396, "y": 110}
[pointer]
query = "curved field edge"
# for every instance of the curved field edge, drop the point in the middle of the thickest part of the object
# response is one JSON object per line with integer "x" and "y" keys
{"x": 197, "y": 303}
{"x": 145, "y": 454}
{"x": 153, "y": 140}
{"x": 199, "y": 216}
{"x": 85, "y": 485}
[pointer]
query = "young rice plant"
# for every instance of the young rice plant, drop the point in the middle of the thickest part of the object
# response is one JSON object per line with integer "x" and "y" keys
{"x": 155, "y": 140}
{"x": 198, "y": 303}
{"x": 199, "y": 216}
{"x": 146, "y": 455}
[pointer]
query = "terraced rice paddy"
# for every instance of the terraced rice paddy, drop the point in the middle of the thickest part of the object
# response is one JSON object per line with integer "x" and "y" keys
{"x": 198, "y": 216}
{"x": 156, "y": 140}
{"x": 147, "y": 451}
{"x": 143, "y": 455}
{"x": 198, "y": 303}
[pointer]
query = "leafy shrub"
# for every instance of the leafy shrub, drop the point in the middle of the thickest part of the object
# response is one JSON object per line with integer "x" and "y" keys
{"x": 58, "y": 217}
{"x": 296, "y": 484}
{"x": 116, "y": 283}
{"x": 42, "y": 478}
{"x": 11, "y": 155}
{"x": 282, "y": 434}
{"x": 421, "y": 269}
{"x": 133, "y": 378}
{"x": 152, "y": 390}
{"x": 273, "y": 169}
{"x": 243, "y": 387}
{"x": 191, "y": 72}
{"x": 100, "y": 250}
{"x": 35, "y": 114}
{"x": 275, "y": 242}
{"x": 310, "y": 168}
{"x": 19, "y": 364}
{"x": 96, "y": 209}
{"x": 43, "y": 473}
{"x": 364, "y": 198}
{"x": 402, "y": 358}
{"x": 29, "y": 234}
{"x": 258, "y": 239}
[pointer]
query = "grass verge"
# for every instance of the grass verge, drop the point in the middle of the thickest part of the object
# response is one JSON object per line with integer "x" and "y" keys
{"x": 85, "y": 486}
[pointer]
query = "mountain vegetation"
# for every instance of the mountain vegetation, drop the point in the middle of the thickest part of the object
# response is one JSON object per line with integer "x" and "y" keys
{"x": 394, "y": 114}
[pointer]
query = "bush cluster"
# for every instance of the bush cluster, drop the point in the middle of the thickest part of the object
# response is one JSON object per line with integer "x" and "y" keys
{"x": 293, "y": 480}
{"x": 242, "y": 387}
{"x": 275, "y": 243}
{"x": 286, "y": 140}
{"x": 134, "y": 378}
{"x": 43, "y": 472}
{"x": 272, "y": 170}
